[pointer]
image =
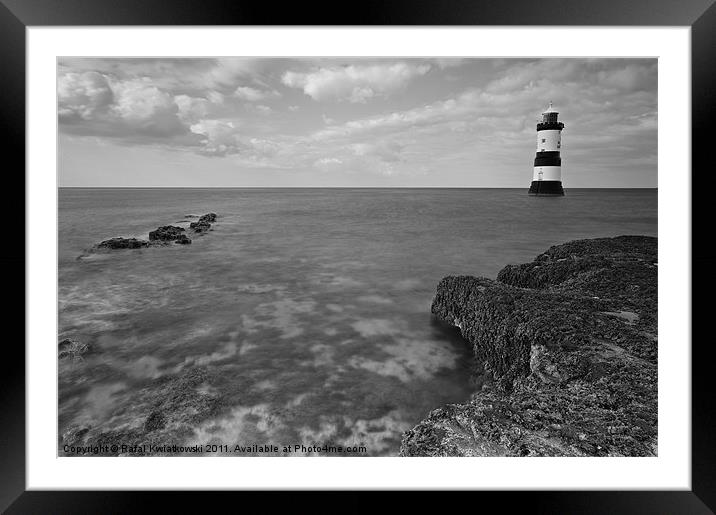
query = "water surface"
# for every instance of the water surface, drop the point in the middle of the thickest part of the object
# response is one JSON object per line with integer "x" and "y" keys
{"x": 311, "y": 307}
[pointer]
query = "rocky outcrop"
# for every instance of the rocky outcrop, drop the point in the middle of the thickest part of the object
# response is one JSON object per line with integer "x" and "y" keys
{"x": 167, "y": 233}
{"x": 161, "y": 236}
{"x": 566, "y": 347}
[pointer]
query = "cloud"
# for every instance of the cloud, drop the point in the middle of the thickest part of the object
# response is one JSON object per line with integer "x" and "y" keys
{"x": 263, "y": 147}
{"x": 629, "y": 78}
{"x": 140, "y": 101}
{"x": 182, "y": 75}
{"x": 226, "y": 71}
{"x": 386, "y": 151}
{"x": 507, "y": 107}
{"x": 354, "y": 83}
{"x": 263, "y": 109}
{"x": 83, "y": 94}
{"x": 220, "y": 138}
{"x": 250, "y": 94}
{"x": 192, "y": 109}
{"x": 215, "y": 97}
{"x": 100, "y": 105}
{"x": 328, "y": 162}
{"x": 137, "y": 111}
{"x": 428, "y": 114}
{"x": 362, "y": 158}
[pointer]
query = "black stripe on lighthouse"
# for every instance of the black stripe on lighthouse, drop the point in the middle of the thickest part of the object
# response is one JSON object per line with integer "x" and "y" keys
{"x": 548, "y": 159}
{"x": 550, "y": 126}
{"x": 546, "y": 188}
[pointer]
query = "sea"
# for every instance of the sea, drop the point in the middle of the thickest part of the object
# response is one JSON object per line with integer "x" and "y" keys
{"x": 309, "y": 309}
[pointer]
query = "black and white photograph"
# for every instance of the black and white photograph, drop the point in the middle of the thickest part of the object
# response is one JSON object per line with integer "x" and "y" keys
{"x": 366, "y": 257}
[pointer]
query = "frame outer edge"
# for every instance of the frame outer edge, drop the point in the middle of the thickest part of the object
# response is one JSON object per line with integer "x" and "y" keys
{"x": 16, "y": 14}
{"x": 12, "y": 135}
{"x": 703, "y": 98}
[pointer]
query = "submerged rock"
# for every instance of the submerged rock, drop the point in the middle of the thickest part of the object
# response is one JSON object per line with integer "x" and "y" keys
{"x": 167, "y": 412}
{"x": 71, "y": 349}
{"x": 183, "y": 240}
{"x": 167, "y": 233}
{"x": 568, "y": 377}
{"x": 122, "y": 243}
{"x": 74, "y": 435}
{"x": 112, "y": 244}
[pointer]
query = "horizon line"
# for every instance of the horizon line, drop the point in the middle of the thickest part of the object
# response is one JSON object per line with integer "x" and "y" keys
{"x": 358, "y": 187}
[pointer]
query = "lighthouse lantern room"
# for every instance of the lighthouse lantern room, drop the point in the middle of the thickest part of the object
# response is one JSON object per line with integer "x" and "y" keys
{"x": 547, "y": 176}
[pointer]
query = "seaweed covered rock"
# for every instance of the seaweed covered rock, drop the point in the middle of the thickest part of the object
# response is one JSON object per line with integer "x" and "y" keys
{"x": 204, "y": 222}
{"x": 569, "y": 344}
{"x": 603, "y": 256}
{"x": 160, "y": 237}
{"x": 155, "y": 421}
{"x": 167, "y": 233}
{"x": 200, "y": 226}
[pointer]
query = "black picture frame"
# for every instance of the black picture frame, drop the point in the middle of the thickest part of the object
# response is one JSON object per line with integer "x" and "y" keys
{"x": 17, "y": 15}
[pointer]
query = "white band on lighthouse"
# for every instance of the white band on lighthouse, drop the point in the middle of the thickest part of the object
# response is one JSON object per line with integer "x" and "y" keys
{"x": 547, "y": 173}
{"x": 549, "y": 140}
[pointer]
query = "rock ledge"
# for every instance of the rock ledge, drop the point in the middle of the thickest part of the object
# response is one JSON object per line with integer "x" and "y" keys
{"x": 567, "y": 348}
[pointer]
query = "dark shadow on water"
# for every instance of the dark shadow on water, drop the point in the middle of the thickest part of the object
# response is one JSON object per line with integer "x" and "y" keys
{"x": 477, "y": 378}
{"x": 447, "y": 332}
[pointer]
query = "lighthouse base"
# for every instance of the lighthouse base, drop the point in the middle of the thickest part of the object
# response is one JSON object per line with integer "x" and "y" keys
{"x": 546, "y": 188}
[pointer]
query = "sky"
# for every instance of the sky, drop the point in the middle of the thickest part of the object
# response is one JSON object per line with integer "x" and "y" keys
{"x": 351, "y": 122}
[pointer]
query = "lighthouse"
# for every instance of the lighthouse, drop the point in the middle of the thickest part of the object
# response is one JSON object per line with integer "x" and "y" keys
{"x": 547, "y": 176}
